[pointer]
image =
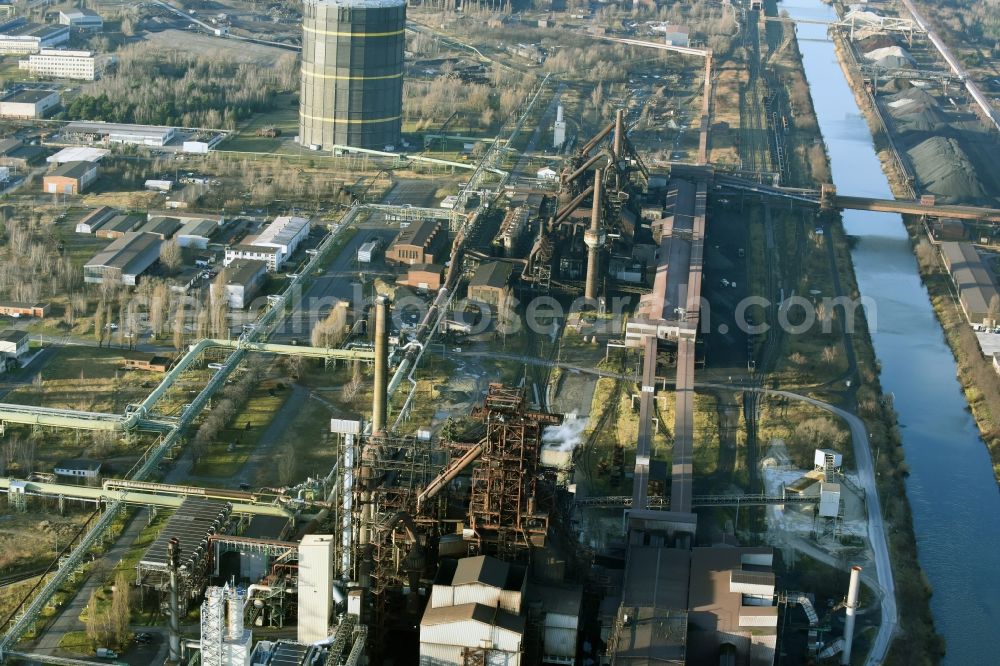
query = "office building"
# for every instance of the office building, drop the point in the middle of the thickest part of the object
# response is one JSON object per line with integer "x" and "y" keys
{"x": 274, "y": 244}
{"x": 19, "y": 37}
{"x": 59, "y": 64}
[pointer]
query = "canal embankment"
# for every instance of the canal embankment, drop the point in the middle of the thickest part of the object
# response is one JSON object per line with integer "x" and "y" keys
{"x": 979, "y": 378}
{"x": 942, "y": 463}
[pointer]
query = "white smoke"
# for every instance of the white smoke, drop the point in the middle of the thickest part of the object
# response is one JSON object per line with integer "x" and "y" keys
{"x": 564, "y": 437}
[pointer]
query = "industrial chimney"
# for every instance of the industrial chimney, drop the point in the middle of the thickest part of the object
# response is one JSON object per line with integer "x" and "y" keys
{"x": 852, "y": 608}
{"x": 380, "y": 397}
{"x": 593, "y": 238}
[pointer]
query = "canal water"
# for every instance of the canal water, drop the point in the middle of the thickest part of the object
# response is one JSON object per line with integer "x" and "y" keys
{"x": 951, "y": 488}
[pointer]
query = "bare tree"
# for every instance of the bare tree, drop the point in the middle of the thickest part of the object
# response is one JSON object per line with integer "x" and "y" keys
{"x": 286, "y": 465}
{"x": 120, "y": 610}
{"x": 170, "y": 255}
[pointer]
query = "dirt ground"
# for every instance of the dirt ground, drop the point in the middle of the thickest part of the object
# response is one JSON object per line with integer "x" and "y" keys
{"x": 216, "y": 47}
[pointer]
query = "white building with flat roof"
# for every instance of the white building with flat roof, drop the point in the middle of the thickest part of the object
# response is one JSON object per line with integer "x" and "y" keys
{"x": 77, "y": 154}
{"x": 18, "y": 37}
{"x": 28, "y": 104}
{"x": 274, "y": 244}
{"x": 82, "y": 18}
{"x": 61, "y": 64}
{"x": 141, "y": 135}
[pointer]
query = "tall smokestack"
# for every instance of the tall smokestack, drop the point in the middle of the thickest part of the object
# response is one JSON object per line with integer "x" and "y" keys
{"x": 173, "y": 563}
{"x": 852, "y": 608}
{"x": 593, "y": 238}
{"x": 380, "y": 397}
{"x": 619, "y": 133}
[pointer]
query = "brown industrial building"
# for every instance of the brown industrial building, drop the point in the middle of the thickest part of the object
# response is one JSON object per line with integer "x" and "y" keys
{"x": 977, "y": 293}
{"x": 70, "y": 178}
{"x": 490, "y": 283}
{"x": 153, "y": 363}
{"x": 16, "y": 309}
{"x": 118, "y": 225}
{"x": 423, "y": 276}
{"x": 19, "y": 155}
{"x": 420, "y": 243}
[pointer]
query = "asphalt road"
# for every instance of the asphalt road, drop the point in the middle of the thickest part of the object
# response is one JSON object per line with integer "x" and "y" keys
{"x": 69, "y": 615}
{"x": 341, "y": 279}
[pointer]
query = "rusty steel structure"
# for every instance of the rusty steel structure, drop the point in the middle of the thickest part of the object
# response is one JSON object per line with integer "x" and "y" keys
{"x": 512, "y": 496}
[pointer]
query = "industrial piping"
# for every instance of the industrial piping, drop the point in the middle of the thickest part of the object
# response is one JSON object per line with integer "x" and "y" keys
{"x": 852, "y": 609}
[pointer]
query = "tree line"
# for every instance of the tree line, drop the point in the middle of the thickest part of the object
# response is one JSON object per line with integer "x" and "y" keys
{"x": 173, "y": 87}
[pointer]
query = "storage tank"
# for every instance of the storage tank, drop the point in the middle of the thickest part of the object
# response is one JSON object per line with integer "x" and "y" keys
{"x": 352, "y": 73}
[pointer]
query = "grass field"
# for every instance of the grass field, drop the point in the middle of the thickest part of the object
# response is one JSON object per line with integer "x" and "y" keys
{"x": 285, "y": 117}
{"x": 85, "y": 378}
{"x": 234, "y": 445}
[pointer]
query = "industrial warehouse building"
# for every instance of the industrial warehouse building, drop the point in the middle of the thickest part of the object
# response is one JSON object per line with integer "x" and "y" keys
{"x": 475, "y": 602}
{"x": 124, "y": 260}
{"x": 161, "y": 226}
{"x": 352, "y": 73}
{"x": 118, "y": 226}
{"x": 81, "y": 18}
{"x": 274, "y": 244}
{"x": 28, "y": 104}
{"x": 140, "y": 135}
{"x": 419, "y": 243}
{"x": 422, "y": 276}
{"x": 977, "y": 293}
{"x": 18, "y": 37}
{"x": 197, "y": 233}
{"x": 243, "y": 280}
{"x": 59, "y": 64}
{"x": 18, "y": 309}
{"x": 70, "y": 178}
{"x": 19, "y": 155}
{"x": 77, "y": 154}
{"x": 490, "y": 284}
{"x": 13, "y": 344}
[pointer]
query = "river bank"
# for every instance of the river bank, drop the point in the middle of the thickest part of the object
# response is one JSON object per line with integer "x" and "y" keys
{"x": 980, "y": 381}
{"x": 863, "y": 395}
{"x": 949, "y": 485}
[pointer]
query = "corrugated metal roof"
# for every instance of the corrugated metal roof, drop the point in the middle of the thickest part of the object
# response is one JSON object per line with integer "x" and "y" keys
{"x": 11, "y": 335}
{"x": 73, "y": 169}
{"x": 418, "y": 233}
{"x": 135, "y": 251}
{"x": 484, "y": 570}
{"x": 476, "y": 612}
{"x": 495, "y": 274}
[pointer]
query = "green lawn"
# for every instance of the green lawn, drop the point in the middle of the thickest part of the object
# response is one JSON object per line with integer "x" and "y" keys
{"x": 227, "y": 455}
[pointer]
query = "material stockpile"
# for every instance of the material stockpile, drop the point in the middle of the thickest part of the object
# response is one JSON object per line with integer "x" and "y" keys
{"x": 944, "y": 170}
{"x": 890, "y": 57}
{"x": 915, "y": 110}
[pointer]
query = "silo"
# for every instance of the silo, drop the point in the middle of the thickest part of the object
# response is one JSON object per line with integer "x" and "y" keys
{"x": 352, "y": 73}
